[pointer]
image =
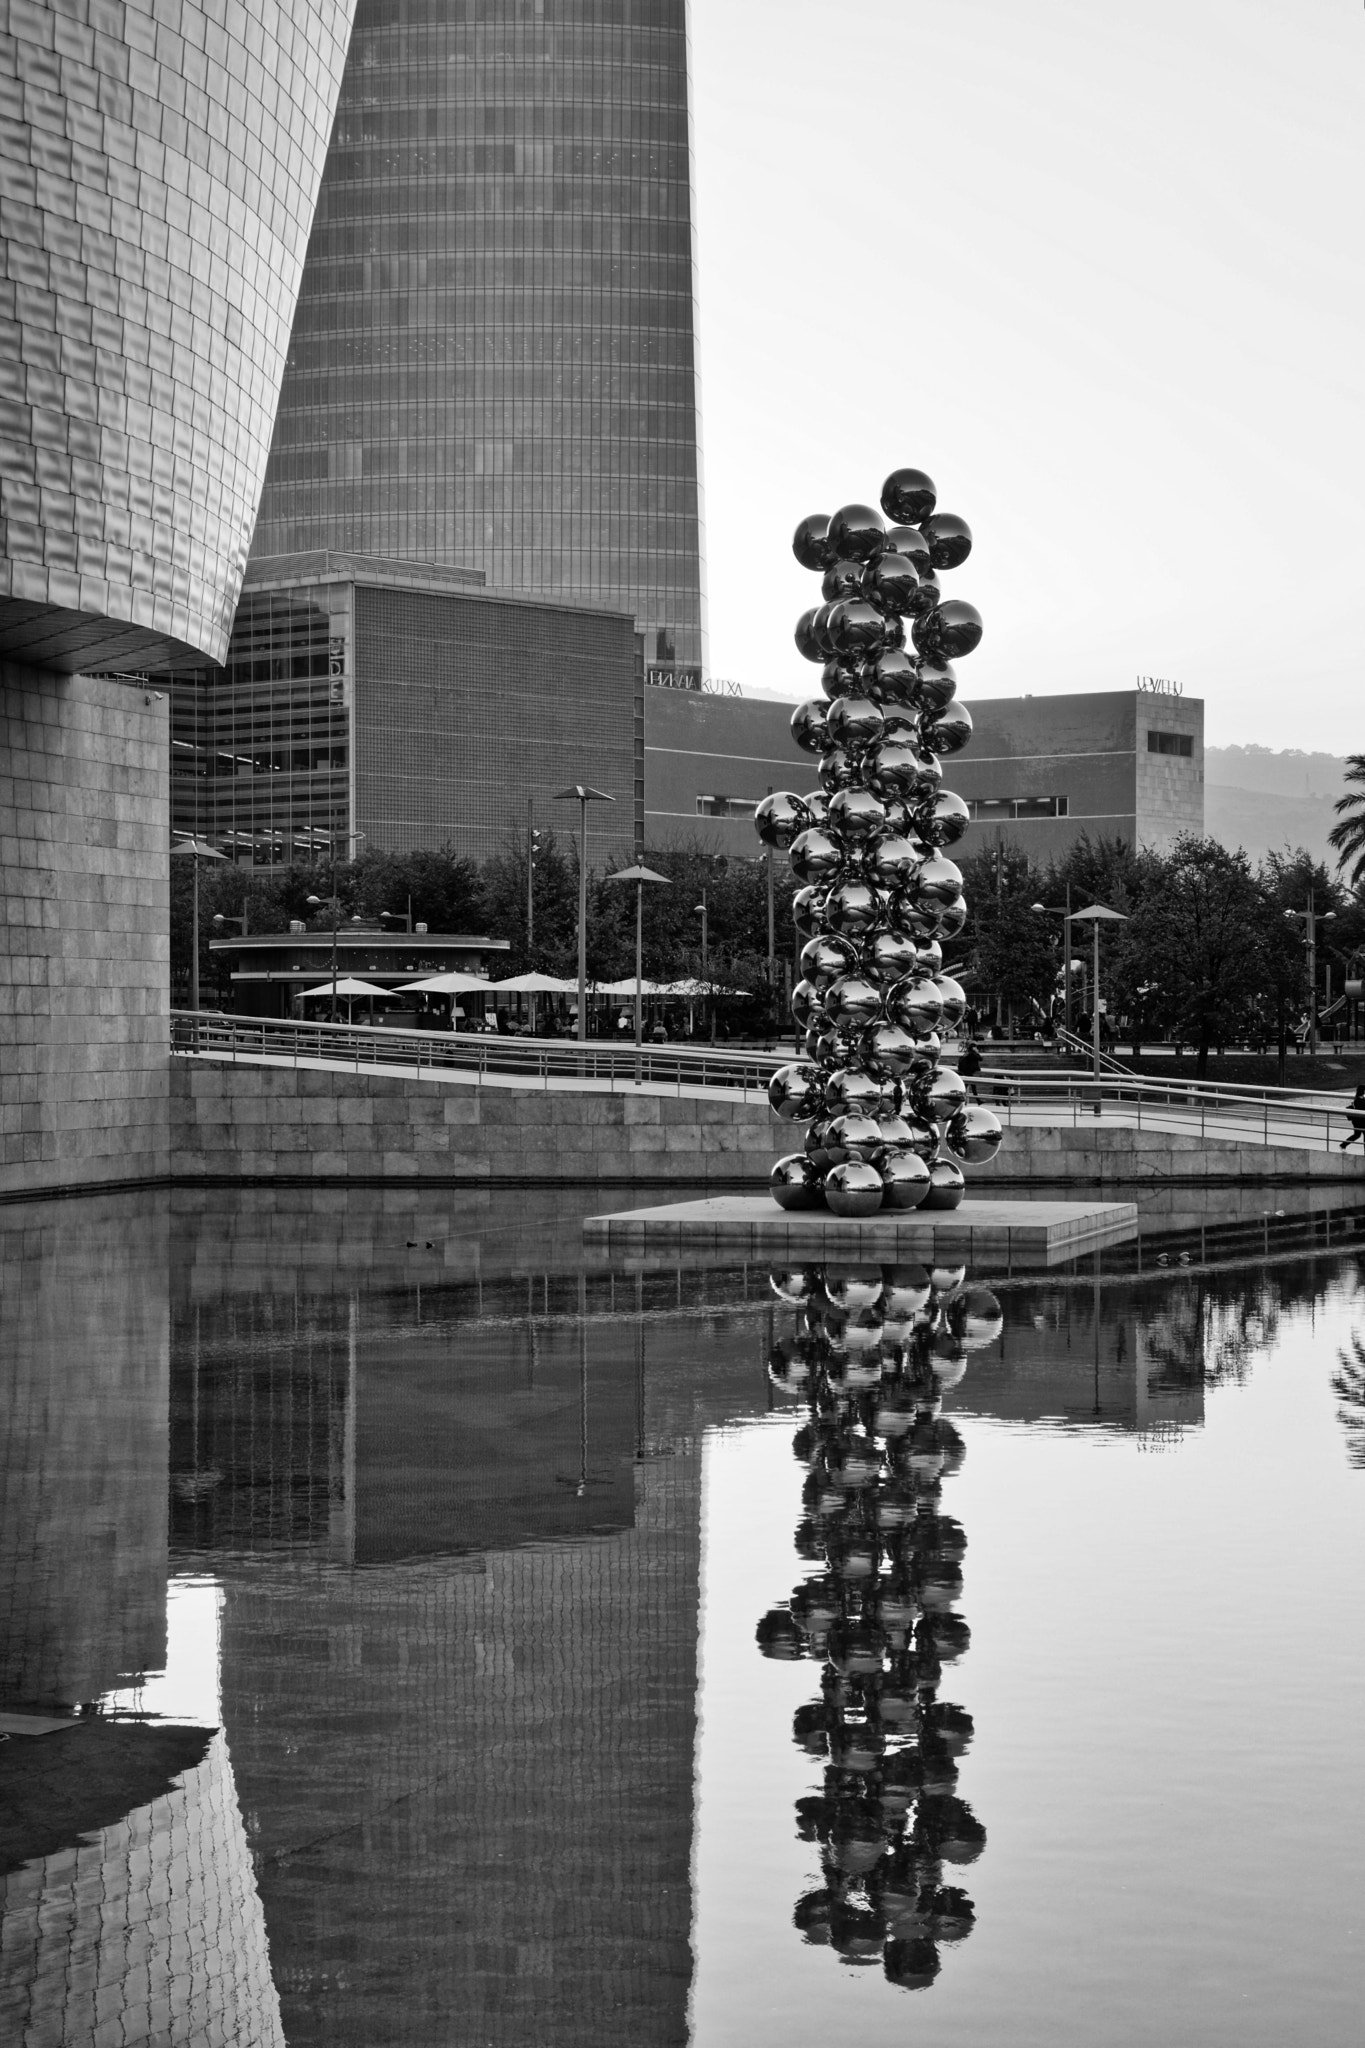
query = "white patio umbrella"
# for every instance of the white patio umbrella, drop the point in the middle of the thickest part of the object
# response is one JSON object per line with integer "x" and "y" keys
{"x": 348, "y": 987}
{"x": 536, "y": 985}
{"x": 452, "y": 984}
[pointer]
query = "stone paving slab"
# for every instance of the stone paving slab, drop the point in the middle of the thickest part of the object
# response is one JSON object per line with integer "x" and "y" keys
{"x": 1039, "y": 1233}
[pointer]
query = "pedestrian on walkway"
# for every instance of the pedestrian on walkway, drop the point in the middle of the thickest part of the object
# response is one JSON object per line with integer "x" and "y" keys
{"x": 1357, "y": 1116}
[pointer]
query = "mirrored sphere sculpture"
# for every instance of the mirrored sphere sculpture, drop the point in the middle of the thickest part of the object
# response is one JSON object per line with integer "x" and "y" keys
{"x": 876, "y": 896}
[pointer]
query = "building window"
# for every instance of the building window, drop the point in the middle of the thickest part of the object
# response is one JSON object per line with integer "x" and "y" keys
{"x": 996, "y": 809}
{"x": 1181, "y": 743}
{"x": 726, "y": 806}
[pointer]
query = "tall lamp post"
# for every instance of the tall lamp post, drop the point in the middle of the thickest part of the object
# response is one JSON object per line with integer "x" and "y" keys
{"x": 196, "y": 850}
{"x": 582, "y": 795}
{"x": 1047, "y": 910}
{"x": 1311, "y": 920}
{"x": 639, "y": 875}
{"x": 1095, "y": 916}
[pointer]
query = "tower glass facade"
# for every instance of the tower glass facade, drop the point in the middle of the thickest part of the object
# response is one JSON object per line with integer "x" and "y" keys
{"x": 493, "y": 360}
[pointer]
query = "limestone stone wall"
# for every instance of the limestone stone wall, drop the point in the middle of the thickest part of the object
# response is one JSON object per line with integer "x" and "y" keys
{"x": 280, "y": 1123}
{"x": 84, "y": 932}
{"x": 276, "y": 1122}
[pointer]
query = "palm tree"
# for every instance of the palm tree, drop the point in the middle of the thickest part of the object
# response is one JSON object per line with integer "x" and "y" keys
{"x": 1349, "y": 836}
{"x": 1349, "y": 1387}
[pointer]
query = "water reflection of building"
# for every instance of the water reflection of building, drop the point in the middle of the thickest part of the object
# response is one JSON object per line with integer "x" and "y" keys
{"x": 84, "y": 1351}
{"x": 147, "y": 1927}
{"x": 1127, "y": 1356}
{"x": 475, "y": 1752}
{"x": 128, "y": 1907}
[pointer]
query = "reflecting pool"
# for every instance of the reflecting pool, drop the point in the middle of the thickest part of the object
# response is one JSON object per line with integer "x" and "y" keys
{"x": 443, "y": 1637}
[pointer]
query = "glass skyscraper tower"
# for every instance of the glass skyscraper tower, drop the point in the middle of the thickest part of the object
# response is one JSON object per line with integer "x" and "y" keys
{"x": 493, "y": 359}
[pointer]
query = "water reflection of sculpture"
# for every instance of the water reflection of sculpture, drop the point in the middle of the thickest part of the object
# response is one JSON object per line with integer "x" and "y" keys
{"x": 871, "y": 1355}
{"x": 878, "y": 894}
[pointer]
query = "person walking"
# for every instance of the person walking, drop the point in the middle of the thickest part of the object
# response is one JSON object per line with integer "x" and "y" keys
{"x": 1356, "y": 1112}
{"x": 969, "y": 1066}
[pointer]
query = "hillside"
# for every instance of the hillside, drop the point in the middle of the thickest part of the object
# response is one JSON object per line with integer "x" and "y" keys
{"x": 1265, "y": 799}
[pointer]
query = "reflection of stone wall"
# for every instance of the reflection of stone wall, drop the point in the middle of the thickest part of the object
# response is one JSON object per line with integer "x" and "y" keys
{"x": 84, "y": 1372}
{"x": 469, "y": 1786}
{"x": 84, "y": 932}
{"x": 149, "y": 1930}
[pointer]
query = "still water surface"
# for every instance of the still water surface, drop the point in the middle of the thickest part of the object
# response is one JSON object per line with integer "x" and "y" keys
{"x": 411, "y": 1566}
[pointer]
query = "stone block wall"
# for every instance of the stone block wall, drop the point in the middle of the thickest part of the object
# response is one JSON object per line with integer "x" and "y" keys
{"x": 259, "y": 1122}
{"x": 84, "y": 932}
{"x": 311, "y": 1124}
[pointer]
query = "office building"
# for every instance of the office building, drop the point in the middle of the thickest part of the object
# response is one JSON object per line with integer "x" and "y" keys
{"x": 493, "y": 362}
{"x": 396, "y": 706}
{"x": 1039, "y": 773}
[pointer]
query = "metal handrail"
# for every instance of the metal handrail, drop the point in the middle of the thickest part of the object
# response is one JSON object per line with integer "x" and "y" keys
{"x": 1265, "y": 1117}
{"x": 477, "y": 1054}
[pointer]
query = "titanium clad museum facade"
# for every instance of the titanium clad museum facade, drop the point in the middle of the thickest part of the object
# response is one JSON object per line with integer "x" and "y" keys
{"x": 493, "y": 362}
{"x": 159, "y": 164}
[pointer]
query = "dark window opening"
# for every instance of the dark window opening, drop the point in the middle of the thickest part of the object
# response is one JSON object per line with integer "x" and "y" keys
{"x": 1181, "y": 743}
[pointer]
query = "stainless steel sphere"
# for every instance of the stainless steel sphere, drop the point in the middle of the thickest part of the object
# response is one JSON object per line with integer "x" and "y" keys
{"x": 952, "y": 994}
{"x": 815, "y": 856}
{"x": 944, "y": 1095}
{"x": 797, "y": 1093}
{"x": 908, "y": 497}
{"x": 916, "y": 1005}
{"x": 974, "y": 1133}
{"x": 890, "y": 1051}
{"x": 947, "y": 1185}
{"x": 949, "y": 538}
{"x": 905, "y": 1180}
{"x": 809, "y": 727}
{"x": 853, "y": 1189}
{"x": 795, "y": 1183}
{"x": 849, "y": 1090}
{"x": 852, "y": 1137}
{"x": 894, "y": 862}
{"x": 949, "y": 731}
{"x": 855, "y": 816}
{"x": 836, "y": 771}
{"x": 939, "y": 881}
{"x": 891, "y": 955}
{"x": 825, "y": 959}
{"x": 781, "y": 818}
{"x": 944, "y": 821}
{"x": 805, "y": 1004}
{"x": 935, "y": 686}
{"x": 852, "y": 1003}
{"x": 951, "y": 918}
{"x": 852, "y": 908}
{"x": 810, "y": 542}
{"x": 808, "y": 911}
{"x": 857, "y": 532}
{"x": 923, "y": 1137}
{"x": 854, "y": 723}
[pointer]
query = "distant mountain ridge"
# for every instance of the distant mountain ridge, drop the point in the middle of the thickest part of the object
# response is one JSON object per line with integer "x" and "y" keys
{"x": 1266, "y": 799}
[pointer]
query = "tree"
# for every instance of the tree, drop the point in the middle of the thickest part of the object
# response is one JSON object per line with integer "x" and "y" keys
{"x": 1199, "y": 933}
{"x": 1348, "y": 836}
{"x": 1012, "y": 952}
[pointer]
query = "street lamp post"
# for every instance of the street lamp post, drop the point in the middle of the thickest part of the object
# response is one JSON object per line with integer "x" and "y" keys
{"x": 639, "y": 875}
{"x": 196, "y": 850}
{"x": 1096, "y": 915}
{"x": 1046, "y": 910}
{"x": 1311, "y": 920}
{"x": 582, "y": 795}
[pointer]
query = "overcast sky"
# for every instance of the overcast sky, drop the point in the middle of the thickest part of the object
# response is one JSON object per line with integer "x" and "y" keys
{"x": 1097, "y": 268}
